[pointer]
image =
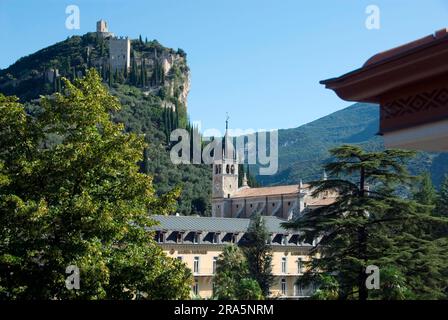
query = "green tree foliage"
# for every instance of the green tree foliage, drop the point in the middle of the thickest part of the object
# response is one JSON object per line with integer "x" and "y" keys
{"x": 251, "y": 179}
{"x": 71, "y": 194}
{"x": 426, "y": 193}
{"x": 442, "y": 203}
{"x": 258, "y": 253}
{"x": 374, "y": 227}
{"x": 232, "y": 280}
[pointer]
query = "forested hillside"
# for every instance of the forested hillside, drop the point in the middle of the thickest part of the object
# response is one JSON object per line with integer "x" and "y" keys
{"x": 153, "y": 95}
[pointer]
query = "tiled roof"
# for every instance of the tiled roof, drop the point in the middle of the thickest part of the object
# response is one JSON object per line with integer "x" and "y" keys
{"x": 210, "y": 224}
{"x": 268, "y": 191}
{"x": 321, "y": 202}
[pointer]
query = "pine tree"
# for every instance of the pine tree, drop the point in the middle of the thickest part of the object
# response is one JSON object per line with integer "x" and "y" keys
{"x": 259, "y": 254}
{"x": 373, "y": 227}
{"x": 426, "y": 193}
{"x": 442, "y": 203}
{"x": 232, "y": 280}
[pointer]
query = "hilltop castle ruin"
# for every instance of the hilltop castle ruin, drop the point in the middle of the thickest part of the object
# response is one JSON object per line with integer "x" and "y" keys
{"x": 119, "y": 47}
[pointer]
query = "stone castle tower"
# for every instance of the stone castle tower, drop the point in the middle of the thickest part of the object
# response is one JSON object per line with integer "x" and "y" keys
{"x": 101, "y": 26}
{"x": 120, "y": 53}
{"x": 119, "y": 48}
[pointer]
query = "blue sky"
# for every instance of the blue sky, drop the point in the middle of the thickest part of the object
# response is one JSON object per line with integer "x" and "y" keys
{"x": 259, "y": 60}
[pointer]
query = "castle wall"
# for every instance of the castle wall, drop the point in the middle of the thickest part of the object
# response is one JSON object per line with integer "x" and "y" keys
{"x": 120, "y": 53}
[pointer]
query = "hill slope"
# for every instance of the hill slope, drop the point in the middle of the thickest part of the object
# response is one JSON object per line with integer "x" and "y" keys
{"x": 153, "y": 95}
{"x": 304, "y": 150}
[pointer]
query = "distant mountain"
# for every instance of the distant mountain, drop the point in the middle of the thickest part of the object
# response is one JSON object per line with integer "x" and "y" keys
{"x": 304, "y": 150}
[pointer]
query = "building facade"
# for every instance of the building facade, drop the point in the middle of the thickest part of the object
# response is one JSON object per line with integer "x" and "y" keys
{"x": 232, "y": 201}
{"x": 198, "y": 241}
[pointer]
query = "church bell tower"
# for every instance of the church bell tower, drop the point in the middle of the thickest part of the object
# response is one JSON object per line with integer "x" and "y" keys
{"x": 225, "y": 170}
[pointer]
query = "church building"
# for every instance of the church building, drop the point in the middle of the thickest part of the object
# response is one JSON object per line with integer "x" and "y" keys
{"x": 229, "y": 200}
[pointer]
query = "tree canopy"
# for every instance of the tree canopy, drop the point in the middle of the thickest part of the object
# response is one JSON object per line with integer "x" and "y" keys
{"x": 71, "y": 194}
{"x": 373, "y": 223}
{"x": 232, "y": 280}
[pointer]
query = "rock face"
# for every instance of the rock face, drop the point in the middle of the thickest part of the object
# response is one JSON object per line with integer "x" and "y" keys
{"x": 166, "y": 72}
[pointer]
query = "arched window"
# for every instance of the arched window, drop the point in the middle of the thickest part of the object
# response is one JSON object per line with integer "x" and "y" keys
{"x": 227, "y": 169}
{"x": 216, "y": 169}
{"x": 232, "y": 169}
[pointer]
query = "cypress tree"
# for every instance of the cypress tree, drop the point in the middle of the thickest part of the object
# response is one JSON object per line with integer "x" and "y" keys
{"x": 110, "y": 76}
{"x": 442, "y": 201}
{"x": 426, "y": 193}
{"x": 258, "y": 253}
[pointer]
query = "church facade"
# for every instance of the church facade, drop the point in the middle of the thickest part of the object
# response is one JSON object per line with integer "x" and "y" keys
{"x": 229, "y": 200}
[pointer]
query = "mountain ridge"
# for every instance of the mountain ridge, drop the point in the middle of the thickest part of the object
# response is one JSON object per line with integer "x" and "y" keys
{"x": 304, "y": 150}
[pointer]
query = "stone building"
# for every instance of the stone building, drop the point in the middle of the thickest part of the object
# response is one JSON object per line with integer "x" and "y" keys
{"x": 120, "y": 53}
{"x": 198, "y": 241}
{"x": 119, "y": 48}
{"x": 232, "y": 201}
{"x": 102, "y": 30}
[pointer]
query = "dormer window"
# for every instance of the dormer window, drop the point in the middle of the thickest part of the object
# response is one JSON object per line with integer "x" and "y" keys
{"x": 196, "y": 238}
{"x": 179, "y": 238}
{"x": 160, "y": 237}
{"x": 215, "y": 238}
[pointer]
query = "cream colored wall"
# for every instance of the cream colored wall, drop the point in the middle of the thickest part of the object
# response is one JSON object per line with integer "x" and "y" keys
{"x": 206, "y": 253}
{"x": 291, "y": 261}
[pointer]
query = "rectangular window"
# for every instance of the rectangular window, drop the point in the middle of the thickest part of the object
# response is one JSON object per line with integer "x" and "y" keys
{"x": 297, "y": 291}
{"x": 179, "y": 237}
{"x": 196, "y": 288}
{"x": 299, "y": 266}
{"x": 215, "y": 259}
{"x": 283, "y": 287}
{"x": 284, "y": 240}
{"x": 161, "y": 237}
{"x": 283, "y": 264}
{"x": 196, "y": 238}
{"x": 196, "y": 265}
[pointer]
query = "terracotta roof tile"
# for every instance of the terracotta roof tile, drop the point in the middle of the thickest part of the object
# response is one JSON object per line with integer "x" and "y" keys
{"x": 321, "y": 202}
{"x": 268, "y": 191}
